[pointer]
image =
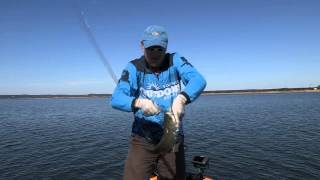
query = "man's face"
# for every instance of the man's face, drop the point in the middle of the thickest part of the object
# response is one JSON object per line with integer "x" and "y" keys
{"x": 154, "y": 55}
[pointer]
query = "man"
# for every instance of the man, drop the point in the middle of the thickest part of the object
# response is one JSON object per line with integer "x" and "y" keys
{"x": 149, "y": 87}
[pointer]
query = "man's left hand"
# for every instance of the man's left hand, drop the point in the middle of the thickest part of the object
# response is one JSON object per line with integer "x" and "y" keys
{"x": 178, "y": 106}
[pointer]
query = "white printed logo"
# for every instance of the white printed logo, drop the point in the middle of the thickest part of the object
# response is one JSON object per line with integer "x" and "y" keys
{"x": 157, "y": 93}
{"x": 155, "y": 34}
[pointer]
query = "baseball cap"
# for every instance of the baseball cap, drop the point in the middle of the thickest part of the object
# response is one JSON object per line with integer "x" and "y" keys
{"x": 155, "y": 35}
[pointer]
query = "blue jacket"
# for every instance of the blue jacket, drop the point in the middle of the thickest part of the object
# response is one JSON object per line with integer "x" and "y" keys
{"x": 138, "y": 81}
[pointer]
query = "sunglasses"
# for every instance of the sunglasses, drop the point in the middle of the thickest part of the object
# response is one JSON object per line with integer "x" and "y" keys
{"x": 156, "y": 49}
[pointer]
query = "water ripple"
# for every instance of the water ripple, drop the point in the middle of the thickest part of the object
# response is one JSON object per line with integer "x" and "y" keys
{"x": 265, "y": 136}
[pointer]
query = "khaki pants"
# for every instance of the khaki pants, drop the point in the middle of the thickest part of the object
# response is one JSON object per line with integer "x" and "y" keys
{"x": 141, "y": 162}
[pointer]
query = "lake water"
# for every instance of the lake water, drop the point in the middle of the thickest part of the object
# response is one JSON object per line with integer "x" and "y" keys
{"x": 251, "y": 136}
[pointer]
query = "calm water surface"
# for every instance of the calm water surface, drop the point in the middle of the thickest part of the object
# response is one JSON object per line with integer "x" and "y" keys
{"x": 254, "y": 136}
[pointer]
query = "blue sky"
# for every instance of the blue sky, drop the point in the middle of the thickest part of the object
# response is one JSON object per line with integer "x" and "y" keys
{"x": 235, "y": 44}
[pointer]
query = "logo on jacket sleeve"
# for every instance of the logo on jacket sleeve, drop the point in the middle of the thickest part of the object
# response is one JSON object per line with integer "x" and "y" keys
{"x": 125, "y": 76}
{"x": 185, "y": 62}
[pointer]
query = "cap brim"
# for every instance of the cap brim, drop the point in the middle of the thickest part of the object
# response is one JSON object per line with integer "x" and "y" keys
{"x": 155, "y": 42}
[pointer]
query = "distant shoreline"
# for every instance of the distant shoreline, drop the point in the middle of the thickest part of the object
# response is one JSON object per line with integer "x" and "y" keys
{"x": 264, "y": 91}
{"x": 205, "y": 93}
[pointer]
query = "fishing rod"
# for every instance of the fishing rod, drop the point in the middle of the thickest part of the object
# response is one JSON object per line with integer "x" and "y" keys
{"x": 96, "y": 46}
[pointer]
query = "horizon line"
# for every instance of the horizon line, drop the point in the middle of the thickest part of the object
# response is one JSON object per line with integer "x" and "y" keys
{"x": 206, "y": 91}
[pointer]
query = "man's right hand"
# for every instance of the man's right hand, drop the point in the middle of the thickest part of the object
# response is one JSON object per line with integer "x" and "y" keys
{"x": 147, "y": 106}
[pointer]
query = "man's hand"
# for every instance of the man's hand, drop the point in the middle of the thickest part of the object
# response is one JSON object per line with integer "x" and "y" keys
{"x": 147, "y": 106}
{"x": 178, "y": 106}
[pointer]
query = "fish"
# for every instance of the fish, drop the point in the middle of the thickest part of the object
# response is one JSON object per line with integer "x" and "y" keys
{"x": 170, "y": 133}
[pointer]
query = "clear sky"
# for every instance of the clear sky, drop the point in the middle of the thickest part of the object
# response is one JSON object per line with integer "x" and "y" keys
{"x": 235, "y": 44}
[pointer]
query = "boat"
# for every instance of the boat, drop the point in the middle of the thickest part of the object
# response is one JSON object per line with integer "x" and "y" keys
{"x": 200, "y": 163}
{"x": 192, "y": 177}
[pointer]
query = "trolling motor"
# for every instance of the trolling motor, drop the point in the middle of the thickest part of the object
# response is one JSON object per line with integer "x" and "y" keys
{"x": 201, "y": 163}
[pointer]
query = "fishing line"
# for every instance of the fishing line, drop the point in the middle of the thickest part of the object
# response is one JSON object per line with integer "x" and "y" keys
{"x": 96, "y": 46}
